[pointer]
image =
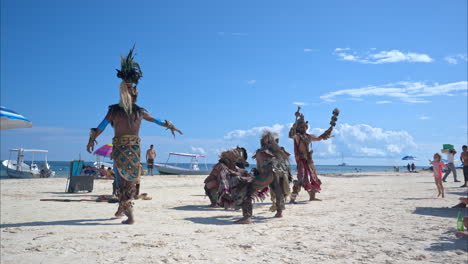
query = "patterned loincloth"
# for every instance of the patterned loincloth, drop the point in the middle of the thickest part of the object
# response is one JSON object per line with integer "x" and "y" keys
{"x": 126, "y": 156}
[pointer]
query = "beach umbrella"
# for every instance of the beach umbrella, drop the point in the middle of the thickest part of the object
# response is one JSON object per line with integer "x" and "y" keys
{"x": 104, "y": 151}
{"x": 10, "y": 119}
{"x": 409, "y": 158}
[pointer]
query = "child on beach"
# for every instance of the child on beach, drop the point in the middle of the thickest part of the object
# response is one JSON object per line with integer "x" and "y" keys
{"x": 437, "y": 166}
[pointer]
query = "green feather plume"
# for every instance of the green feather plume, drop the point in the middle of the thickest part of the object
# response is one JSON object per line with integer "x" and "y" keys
{"x": 130, "y": 71}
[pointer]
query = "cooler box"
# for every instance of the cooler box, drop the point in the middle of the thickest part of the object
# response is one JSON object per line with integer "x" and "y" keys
{"x": 78, "y": 182}
{"x": 81, "y": 183}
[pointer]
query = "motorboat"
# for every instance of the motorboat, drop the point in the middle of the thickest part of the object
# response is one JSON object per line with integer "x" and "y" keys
{"x": 20, "y": 169}
{"x": 193, "y": 168}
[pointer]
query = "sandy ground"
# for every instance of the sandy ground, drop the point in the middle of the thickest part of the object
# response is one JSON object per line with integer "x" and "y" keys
{"x": 363, "y": 218}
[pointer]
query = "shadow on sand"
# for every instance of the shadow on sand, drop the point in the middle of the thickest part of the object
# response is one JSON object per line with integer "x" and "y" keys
{"x": 461, "y": 193}
{"x": 77, "y": 222}
{"x": 415, "y": 199}
{"x": 223, "y": 220}
{"x": 441, "y": 212}
{"x": 196, "y": 208}
{"x": 449, "y": 243}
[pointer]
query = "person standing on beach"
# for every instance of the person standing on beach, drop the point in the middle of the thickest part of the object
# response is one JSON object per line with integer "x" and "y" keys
{"x": 408, "y": 167}
{"x": 413, "y": 167}
{"x": 450, "y": 165}
{"x": 125, "y": 117}
{"x": 150, "y": 157}
{"x": 437, "y": 165}
{"x": 464, "y": 160}
{"x": 306, "y": 173}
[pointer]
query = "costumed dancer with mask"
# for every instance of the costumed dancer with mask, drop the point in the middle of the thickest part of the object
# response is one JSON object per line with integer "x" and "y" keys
{"x": 231, "y": 162}
{"x": 125, "y": 117}
{"x": 306, "y": 173}
{"x": 273, "y": 169}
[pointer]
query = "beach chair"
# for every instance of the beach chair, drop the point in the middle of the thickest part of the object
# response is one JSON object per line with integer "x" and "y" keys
{"x": 76, "y": 181}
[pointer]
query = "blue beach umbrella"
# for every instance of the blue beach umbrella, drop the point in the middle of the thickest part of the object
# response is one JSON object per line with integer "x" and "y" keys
{"x": 409, "y": 158}
{"x": 10, "y": 119}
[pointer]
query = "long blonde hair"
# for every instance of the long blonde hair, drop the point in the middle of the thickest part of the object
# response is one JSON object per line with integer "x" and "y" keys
{"x": 125, "y": 98}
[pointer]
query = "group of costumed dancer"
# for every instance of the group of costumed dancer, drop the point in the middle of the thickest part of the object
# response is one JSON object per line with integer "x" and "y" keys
{"x": 230, "y": 184}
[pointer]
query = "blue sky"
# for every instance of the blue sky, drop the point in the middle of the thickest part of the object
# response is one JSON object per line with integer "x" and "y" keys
{"x": 223, "y": 71}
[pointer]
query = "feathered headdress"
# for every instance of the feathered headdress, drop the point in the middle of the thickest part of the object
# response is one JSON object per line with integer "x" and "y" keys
{"x": 130, "y": 71}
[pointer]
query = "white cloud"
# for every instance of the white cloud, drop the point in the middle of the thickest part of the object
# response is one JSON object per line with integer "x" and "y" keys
{"x": 251, "y": 82}
{"x": 365, "y": 140}
{"x": 342, "y": 49}
{"x": 198, "y": 150}
{"x": 383, "y": 102}
{"x": 239, "y": 34}
{"x": 255, "y": 131}
{"x": 300, "y": 103}
{"x": 309, "y": 50}
{"x": 385, "y": 56}
{"x": 455, "y": 58}
{"x": 424, "y": 117}
{"x": 409, "y": 92}
{"x": 359, "y": 140}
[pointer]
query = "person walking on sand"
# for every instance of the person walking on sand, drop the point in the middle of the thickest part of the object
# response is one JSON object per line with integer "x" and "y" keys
{"x": 464, "y": 160}
{"x": 125, "y": 117}
{"x": 437, "y": 165}
{"x": 451, "y": 166}
{"x": 150, "y": 157}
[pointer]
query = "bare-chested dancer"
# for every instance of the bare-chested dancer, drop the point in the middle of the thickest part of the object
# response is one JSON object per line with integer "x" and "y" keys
{"x": 126, "y": 118}
{"x": 306, "y": 173}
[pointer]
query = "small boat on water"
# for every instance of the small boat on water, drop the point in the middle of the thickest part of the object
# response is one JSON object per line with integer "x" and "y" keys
{"x": 19, "y": 169}
{"x": 342, "y": 161}
{"x": 193, "y": 169}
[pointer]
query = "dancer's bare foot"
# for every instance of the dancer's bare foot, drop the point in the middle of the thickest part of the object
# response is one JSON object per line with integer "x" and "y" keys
{"x": 244, "y": 220}
{"x": 279, "y": 214}
{"x": 128, "y": 222}
{"x": 443, "y": 196}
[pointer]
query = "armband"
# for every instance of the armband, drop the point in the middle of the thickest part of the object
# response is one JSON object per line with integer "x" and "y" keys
{"x": 159, "y": 121}
{"x": 103, "y": 125}
{"x": 169, "y": 125}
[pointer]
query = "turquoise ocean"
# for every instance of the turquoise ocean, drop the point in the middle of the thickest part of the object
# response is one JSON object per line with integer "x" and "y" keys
{"x": 62, "y": 168}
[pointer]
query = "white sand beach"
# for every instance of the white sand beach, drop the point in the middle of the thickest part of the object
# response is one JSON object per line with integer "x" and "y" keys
{"x": 363, "y": 218}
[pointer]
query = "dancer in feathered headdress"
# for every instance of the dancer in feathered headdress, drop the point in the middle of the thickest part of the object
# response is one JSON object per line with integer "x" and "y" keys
{"x": 306, "y": 173}
{"x": 126, "y": 117}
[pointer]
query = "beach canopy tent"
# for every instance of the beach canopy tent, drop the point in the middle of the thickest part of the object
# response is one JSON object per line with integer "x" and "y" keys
{"x": 10, "y": 119}
{"x": 408, "y": 158}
